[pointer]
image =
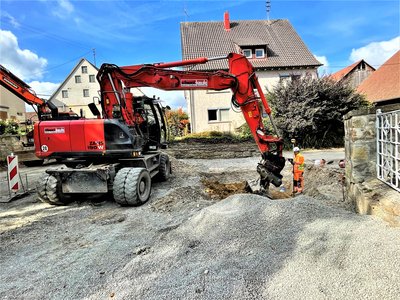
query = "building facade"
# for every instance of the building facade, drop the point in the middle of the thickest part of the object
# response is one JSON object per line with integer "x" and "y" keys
{"x": 354, "y": 74}
{"x": 273, "y": 48}
{"x": 79, "y": 89}
{"x": 11, "y": 107}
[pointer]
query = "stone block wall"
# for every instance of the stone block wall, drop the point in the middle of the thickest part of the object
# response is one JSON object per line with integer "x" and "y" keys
{"x": 369, "y": 195}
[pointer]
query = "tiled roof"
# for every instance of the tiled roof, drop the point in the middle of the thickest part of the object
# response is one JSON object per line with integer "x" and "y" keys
{"x": 339, "y": 75}
{"x": 343, "y": 72}
{"x": 209, "y": 39}
{"x": 384, "y": 83}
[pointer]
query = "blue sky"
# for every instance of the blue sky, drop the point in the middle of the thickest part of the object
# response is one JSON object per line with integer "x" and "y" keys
{"x": 41, "y": 41}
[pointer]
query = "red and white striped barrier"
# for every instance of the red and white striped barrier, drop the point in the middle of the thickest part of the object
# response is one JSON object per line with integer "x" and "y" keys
{"x": 13, "y": 173}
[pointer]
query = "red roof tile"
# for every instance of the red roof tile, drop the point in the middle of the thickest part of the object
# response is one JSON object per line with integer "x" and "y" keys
{"x": 384, "y": 83}
{"x": 343, "y": 72}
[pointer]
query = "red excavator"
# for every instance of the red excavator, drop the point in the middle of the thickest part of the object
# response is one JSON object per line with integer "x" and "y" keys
{"x": 120, "y": 151}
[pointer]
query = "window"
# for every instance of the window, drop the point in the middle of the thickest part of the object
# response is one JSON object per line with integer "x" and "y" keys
{"x": 84, "y": 69}
{"x": 288, "y": 78}
{"x": 218, "y": 115}
{"x": 78, "y": 79}
{"x": 212, "y": 115}
{"x": 284, "y": 78}
{"x": 260, "y": 53}
{"x": 86, "y": 93}
{"x": 247, "y": 53}
{"x": 64, "y": 94}
{"x": 295, "y": 77}
{"x": 92, "y": 78}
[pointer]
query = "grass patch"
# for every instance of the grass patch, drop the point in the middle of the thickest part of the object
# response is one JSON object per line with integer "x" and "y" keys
{"x": 212, "y": 137}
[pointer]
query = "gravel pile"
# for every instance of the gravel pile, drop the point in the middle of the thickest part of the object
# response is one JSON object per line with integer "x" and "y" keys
{"x": 247, "y": 247}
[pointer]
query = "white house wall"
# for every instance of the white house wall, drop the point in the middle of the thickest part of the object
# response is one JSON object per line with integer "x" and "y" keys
{"x": 199, "y": 102}
{"x": 76, "y": 101}
{"x": 11, "y": 107}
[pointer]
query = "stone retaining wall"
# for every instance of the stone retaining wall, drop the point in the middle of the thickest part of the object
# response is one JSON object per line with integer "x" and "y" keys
{"x": 13, "y": 144}
{"x": 369, "y": 195}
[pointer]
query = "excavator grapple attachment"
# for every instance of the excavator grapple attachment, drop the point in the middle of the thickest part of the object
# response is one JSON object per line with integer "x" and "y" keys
{"x": 269, "y": 170}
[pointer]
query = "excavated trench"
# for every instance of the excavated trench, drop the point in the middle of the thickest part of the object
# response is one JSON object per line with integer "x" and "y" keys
{"x": 215, "y": 183}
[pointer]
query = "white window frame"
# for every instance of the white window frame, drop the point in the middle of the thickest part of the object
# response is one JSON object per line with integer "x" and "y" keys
{"x": 84, "y": 69}
{"x": 263, "y": 53}
{"x": 78, "y": 79}
{"x": 86, "y": 93}
{"x": 92, "y": 76}
{"x": 218, "y": 113}
{"x": 244, "y": 52}
{"x": 64, "y": 93}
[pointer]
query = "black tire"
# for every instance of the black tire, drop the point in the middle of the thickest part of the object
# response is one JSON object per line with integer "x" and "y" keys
{"x": 132, "y": 186}
{"x": 164, "y": 170}
{"x": 49, "y": 191}
{"x": 33, "y": 163}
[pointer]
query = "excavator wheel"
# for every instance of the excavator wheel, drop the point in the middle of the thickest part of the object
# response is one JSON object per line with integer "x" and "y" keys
{"x": 132, "y": 186}
{"x": 164, "y": 168}
{"x": 49, "y": 191}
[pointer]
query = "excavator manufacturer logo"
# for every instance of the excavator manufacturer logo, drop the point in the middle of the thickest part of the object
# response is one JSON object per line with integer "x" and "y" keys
{"x": 194, "y": 83}
{"x": 96, "y": 145}
{"x": 10, "y": 83}
{"x": 54, "y": 130}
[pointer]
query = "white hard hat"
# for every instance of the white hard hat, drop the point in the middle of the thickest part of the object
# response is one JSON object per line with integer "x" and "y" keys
{"x": 296, "y": 149}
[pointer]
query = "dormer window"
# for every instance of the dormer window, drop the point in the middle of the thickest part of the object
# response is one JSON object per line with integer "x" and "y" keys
{"x": 247, "y": 53}
{"x": 260, "y": 53}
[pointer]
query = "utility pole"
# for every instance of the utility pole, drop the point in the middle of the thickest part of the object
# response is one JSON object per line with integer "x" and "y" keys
{"x": 94, "y": 56}
{"x": 268, "y": 6}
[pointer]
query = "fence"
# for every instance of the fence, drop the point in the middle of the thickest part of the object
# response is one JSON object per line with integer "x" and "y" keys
{"x": 388, "y": 147}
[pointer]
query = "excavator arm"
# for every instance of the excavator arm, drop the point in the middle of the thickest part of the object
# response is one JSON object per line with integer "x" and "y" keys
{"x": 24, "y": 92}
{"x": 117, "y": 101}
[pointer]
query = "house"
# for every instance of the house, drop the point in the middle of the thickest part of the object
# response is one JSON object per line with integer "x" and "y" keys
{"x": 79, "y": 89}
{"x": 11, "y": 106}
{"x": 354, "y": 74}
{"x": 273, "y": 47}
{"x": 383, "y": 86}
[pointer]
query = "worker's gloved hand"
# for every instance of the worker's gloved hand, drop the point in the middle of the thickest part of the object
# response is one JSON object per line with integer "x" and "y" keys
{"x": 290, "y": 160}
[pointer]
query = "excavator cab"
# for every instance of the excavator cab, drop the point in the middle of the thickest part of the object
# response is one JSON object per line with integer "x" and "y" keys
{"x": 151, "y": 123}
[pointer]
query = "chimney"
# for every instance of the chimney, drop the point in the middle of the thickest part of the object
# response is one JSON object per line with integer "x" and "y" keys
{"x": 227, "y": 24}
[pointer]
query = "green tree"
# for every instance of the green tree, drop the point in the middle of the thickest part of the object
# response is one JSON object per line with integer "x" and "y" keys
{"x": 311, "y": 110}
{"x": 177, "y": 121}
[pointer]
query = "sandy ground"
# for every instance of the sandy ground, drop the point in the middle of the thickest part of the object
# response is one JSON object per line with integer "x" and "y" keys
{"x": 187, "y": 243}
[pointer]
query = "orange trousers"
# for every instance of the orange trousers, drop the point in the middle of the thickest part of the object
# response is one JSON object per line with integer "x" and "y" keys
{"x": 298, "y": 182}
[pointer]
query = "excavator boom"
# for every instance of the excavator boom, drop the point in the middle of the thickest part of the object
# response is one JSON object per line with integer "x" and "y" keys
{"x": 241, "y": 79}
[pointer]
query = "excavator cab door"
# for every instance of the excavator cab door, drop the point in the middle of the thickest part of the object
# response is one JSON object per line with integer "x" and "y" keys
{"x": 154, "y": 126}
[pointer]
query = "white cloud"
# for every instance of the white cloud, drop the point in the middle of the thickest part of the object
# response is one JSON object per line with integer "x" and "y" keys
{"x": 13, "y": 22}
{"x": 63, "y": 9}
{"x": 323, "y": 70}
{"x": 22, "y": 62}
{"x": 44, "y": 89}
{"x": 376, "y": 53}
{"x": 174, "y": 99}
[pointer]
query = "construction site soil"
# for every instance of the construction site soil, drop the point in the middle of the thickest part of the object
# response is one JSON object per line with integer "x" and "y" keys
{"x": 202, "y": 236}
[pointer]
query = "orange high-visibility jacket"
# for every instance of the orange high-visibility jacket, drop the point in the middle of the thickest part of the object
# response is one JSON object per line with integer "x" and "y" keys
{"x": 298, "y": 163}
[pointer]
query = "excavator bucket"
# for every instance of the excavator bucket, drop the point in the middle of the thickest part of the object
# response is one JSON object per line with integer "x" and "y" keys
{"x": 269, "y": 169}
{"x": 254, "y": 186}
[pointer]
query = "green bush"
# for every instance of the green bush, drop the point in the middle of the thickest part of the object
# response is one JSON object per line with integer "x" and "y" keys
{"x": 311, "y": 111}
{"x": 9, "y": 127}
{"x": 213, "y": 137}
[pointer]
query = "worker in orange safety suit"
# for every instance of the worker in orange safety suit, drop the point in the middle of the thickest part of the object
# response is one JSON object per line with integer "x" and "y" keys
{"x": 298, "y": 171}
